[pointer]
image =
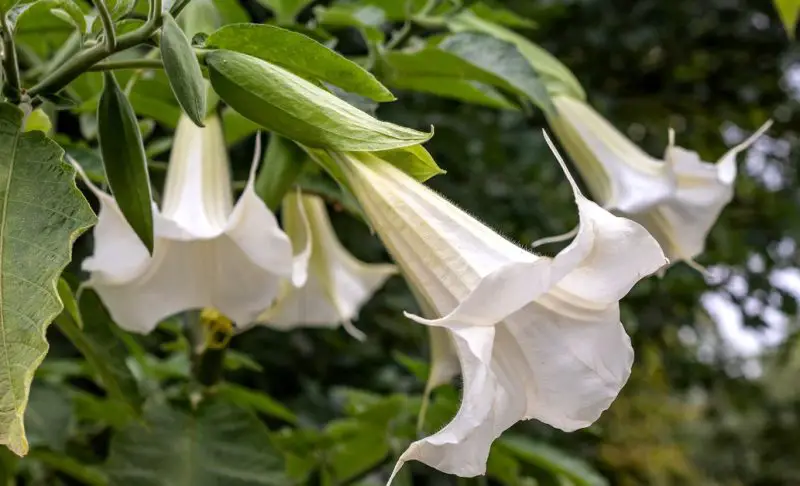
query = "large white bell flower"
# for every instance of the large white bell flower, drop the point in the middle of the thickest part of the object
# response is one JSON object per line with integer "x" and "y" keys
{"x": 678, "y": 199}
{"x": 619, "y": 174}
{"x": 682, "y": 222}
{"x": 338, "y": 284}
{"x": 207, "y": 253}
{"x": 536, "y": 337}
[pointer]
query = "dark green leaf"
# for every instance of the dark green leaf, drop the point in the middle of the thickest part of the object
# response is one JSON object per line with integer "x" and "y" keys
{"x": 291, "y": 106}
{"x": 255, "y": 401}
{"x": 88, "y": 475}
{"x": 105, "y": 352}
{"x": 42, "y": 214}
{"x": 183, "y": 71}
{"x": 218, "y": 444}
{"x": 283, "y": 162}
{"x": 48, "y": 418}
{"x": 459, "y": 89}
{"x": 503, "y": 60}
{"x": 153, "y": 98}
{"x": 551, "y": 459}
{"x": 124, "y": 159}
{"x": 301, "y": 55}
{"x": 285, "y": 10}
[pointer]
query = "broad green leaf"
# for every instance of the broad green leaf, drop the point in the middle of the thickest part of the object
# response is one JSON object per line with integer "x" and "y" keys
{"x": 183, "y": 71}
{"x": 88, "y": 475}
{"x": 42, "y": 214}
{"x": 458, "y": 89}
{"x": 287, "y": 104}
{"x": 255, "y": 401}
{"x": 301, "y": 55}
{"x": 396, "y": 10}
{"x": 32, "y": 14}
{"x": 124, "y": 159}
{"x": 101, "y": 411}
{"x": 353, "y": 15}
{"x": 358, "y": 447}
{"x": 788, "y": 10}
{"x": 504, "y": 60}
{"x": 551, "y": 459}
{"x": 48, "y": 418}
{"x": 555, "y": 74}
{"x": 283, "y": 161}
{"x": 285, "y": 10}
{"x": 217, "y": 444}
{"x": 103, "y": 350}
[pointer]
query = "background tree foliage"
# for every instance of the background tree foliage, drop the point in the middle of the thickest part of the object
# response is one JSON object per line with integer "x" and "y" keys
{"x": 318, "y": 407}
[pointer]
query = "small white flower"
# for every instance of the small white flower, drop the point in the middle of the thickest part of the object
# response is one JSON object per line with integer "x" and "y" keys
{"x": 338, "y": 284}
{"x": 678, "y": 199}
{"x": 536, "y": 337}
{"x": 208, "y": 252}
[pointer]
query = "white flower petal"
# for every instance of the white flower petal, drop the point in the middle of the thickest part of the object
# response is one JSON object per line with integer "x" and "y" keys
{"x": 338, "y": 284}
{"x": 620, "y": 174}
{"x": 197, "y": 192}
{"x": 682, "y": 223}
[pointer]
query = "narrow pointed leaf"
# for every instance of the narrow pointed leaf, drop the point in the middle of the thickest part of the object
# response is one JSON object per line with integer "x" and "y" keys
{"x": 183, "y": 70}
{"x": 217, "y": 444}
{"x": 788, "y": 11}
{"x": 100, "y": 345}
{"x": 41, "y": 214}
{"x": 301, "y": 55}
{"x": 289, "y": 105}
{"x": 124, "y": 159}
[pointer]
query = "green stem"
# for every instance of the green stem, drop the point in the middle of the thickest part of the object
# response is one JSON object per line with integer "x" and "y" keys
{"x": 108, "y": 24}
{"x": 87, "y": 58}
{"x": 11, "y": 89}
{"x": 128, "y": 64}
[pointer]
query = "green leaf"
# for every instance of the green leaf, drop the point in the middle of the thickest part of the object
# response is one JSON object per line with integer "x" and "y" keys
{"x": 502, "y": 59}
{"x": 124, "y": 159}
{"x": 153, "y": 98}
{"x": 415, "y": 161}
{"x": 42, "y": 214}
{"x": 285, "y": 10}
{"x": 283, "y": 162}
{"x": 236, "y": 127}
{"x": 183, "y": 71}
{"x": 555, "y": 74}
{"x": 551, "y": 459}
{"x": 62, "y": 463}
{"x": 103, "y": 350}
{"x": 458, "y": 89}
{"x": 119, "y": 8}
{"x": 501, "y": 16}
{"x": 287, "y": 104}
{"x": 255, "y": 401}
{"x": 301, "y": 55}
{"x": 214, "y": 445}
{"x": 48, "y": 418}
{"x": 788, "y": 11}
{"x": 354, "y": 15}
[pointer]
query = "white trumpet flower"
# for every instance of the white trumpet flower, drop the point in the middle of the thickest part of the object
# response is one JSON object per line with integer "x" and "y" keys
{"x": 682, "y": 223}
{"x": 338, "y": 284}
{"x": 207, "y": 253}
{"x": 678, "y": 199}
{"x": 536, "y": 337}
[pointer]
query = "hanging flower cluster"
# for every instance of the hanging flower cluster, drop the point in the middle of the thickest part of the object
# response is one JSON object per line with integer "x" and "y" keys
{"x": 534, "y": 337}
